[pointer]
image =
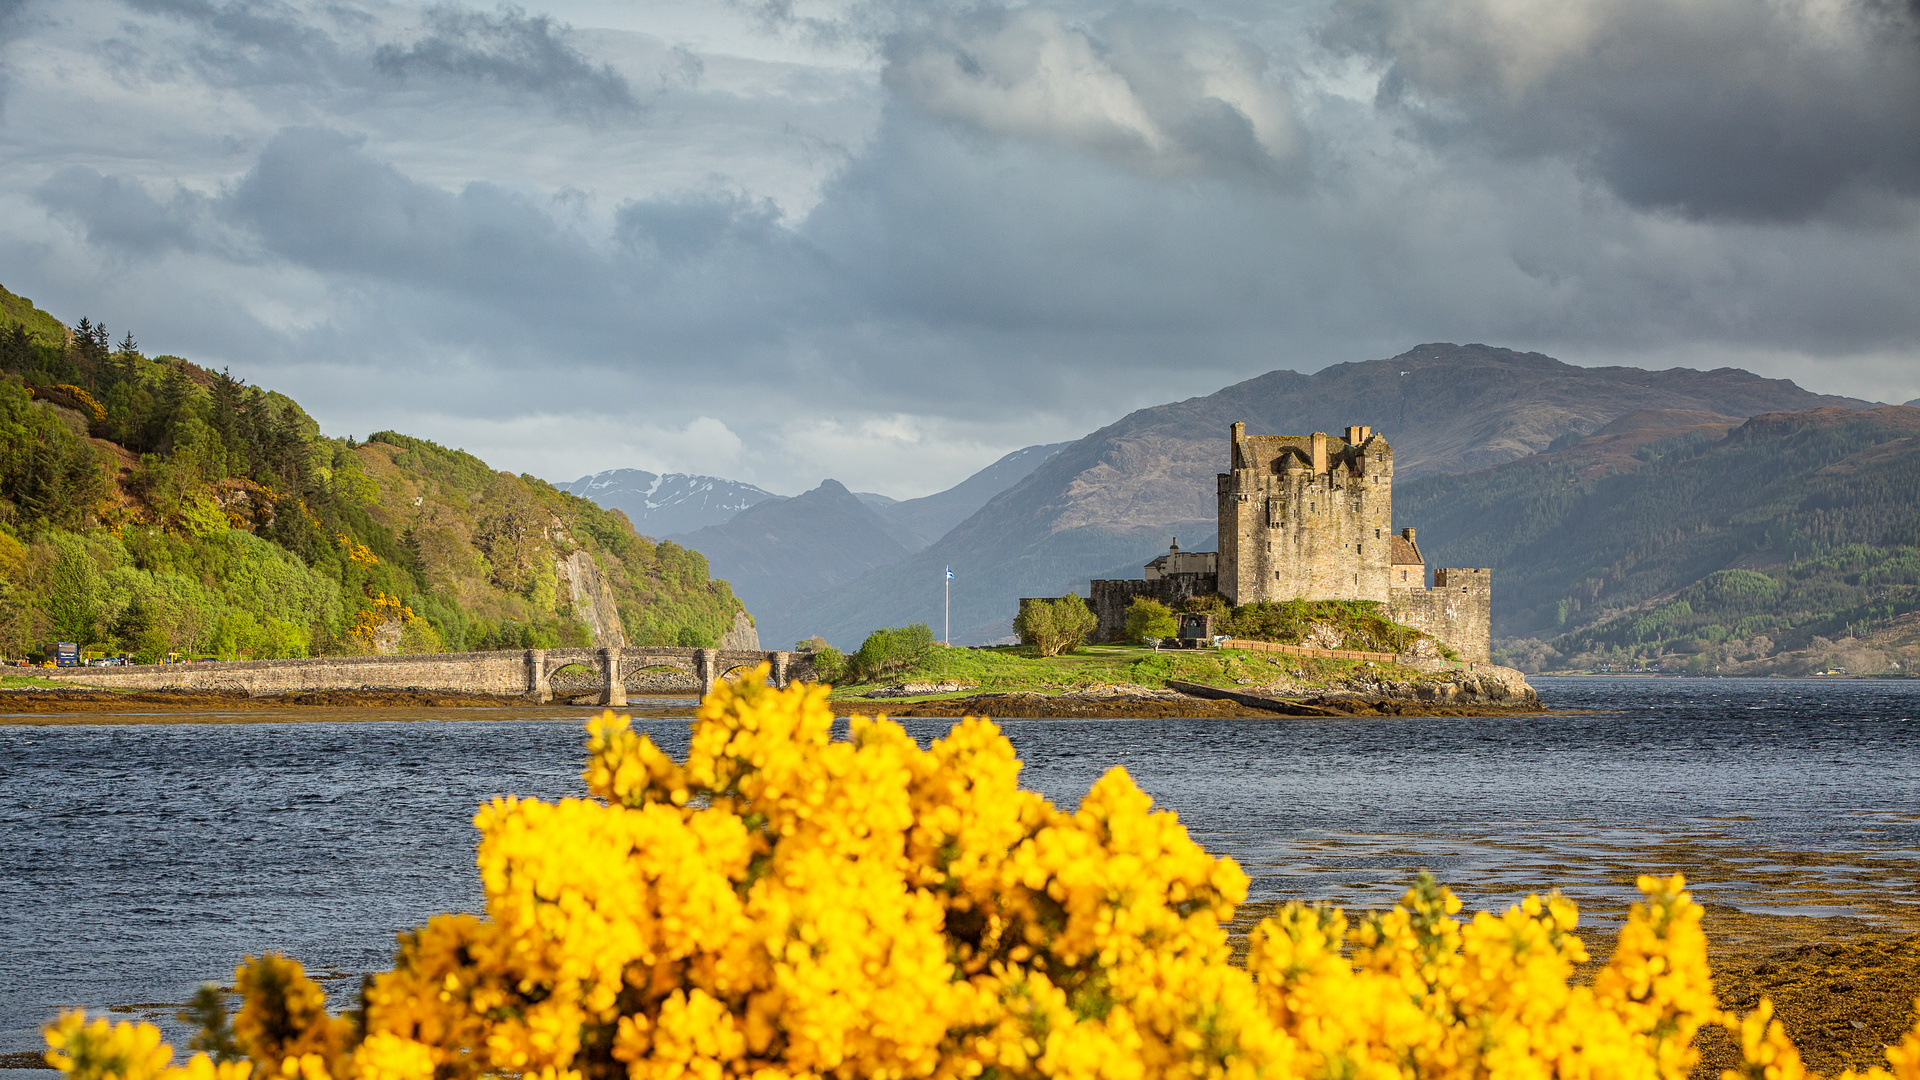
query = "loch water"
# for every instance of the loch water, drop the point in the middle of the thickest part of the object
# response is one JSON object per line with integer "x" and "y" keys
{"x": 137, "y": 861}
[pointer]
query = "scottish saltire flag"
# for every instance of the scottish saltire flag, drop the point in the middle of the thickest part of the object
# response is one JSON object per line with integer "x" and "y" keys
{"x": 949, "y": 573}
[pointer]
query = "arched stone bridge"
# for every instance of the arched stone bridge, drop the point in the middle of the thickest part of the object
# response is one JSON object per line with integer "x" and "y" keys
{"x": 608, "y": 674}
{"x": 648, "y": 669}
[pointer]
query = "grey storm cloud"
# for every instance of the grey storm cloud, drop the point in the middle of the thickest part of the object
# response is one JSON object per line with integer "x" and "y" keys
{"x": 317, "y": 198}
{"x": 695, "y": 225}
{"x": 257, "y": 42}
{"x": 509, "y": 49}
{"x": 121, "y": 215}
{"x": 699, "y": 271}
{"x": 12, "y": 14}
{"x": 1726, "y": 109}
{"x": 262, "y": 42}
{"x": 1154, "y": 89}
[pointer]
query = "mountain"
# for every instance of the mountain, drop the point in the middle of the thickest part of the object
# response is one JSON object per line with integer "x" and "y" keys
{"x": 150, "y": 506}
{"x": 1118, "y": 496}
{"x": 922, "y": 521}
{"x": 1678, "y": 527}
{"x": 661, "y": 505}
{"x": 777, "y": 550}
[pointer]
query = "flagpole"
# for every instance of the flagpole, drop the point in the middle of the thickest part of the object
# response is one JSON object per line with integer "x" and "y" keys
{"x": 946, "y": 624}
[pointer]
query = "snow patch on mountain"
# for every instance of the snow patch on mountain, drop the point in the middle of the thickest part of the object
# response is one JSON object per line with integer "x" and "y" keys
{"x": 660, "y": 504}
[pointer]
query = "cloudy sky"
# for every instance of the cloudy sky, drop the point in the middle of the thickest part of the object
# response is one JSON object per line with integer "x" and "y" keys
{"x": 779, "y": 240}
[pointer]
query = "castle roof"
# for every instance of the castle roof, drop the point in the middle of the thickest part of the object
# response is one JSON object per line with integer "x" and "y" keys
{"x": 1405, "y": 552}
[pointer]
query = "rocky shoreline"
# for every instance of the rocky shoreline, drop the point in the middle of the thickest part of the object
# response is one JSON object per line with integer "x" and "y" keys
{"x": 1486, "y": 691}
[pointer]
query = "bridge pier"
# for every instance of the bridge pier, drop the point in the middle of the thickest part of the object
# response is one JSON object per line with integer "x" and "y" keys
{"x": 780, "y": 660}
{"x": 615, "y": 694}
{"x": 539, "y": 689}
{"x": 706, "y": 668}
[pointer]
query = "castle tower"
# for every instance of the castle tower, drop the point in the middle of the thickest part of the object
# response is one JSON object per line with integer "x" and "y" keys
{"x": 1306, "y": 517}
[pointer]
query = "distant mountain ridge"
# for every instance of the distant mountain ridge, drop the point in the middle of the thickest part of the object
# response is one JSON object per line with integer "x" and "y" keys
{"x": 1117, "y": 496}
{"x": 927, "y": 519}
{"x": 663, "y": 504}
{"x": 779, "y": 549}
{"x": 778, "y": 552}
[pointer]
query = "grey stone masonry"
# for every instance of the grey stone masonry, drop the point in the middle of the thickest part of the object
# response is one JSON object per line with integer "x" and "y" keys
{"x": 1306, "y": 517}
{"x": 508, "y": 674}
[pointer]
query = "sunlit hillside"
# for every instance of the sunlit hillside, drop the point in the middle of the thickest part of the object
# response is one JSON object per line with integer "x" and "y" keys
{"x": 151, "y": 507}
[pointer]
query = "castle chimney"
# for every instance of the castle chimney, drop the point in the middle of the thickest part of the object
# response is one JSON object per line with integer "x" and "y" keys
{"x": 1408, "y": 533}
{"x": 1238, "y": 436}
{"x": 1319, "y": 452}
{"x": 1175, "y": 548}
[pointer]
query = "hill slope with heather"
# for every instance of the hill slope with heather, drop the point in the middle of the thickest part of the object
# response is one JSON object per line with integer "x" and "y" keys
{"x": 1682, "y": 535}
{"x": 152, "y": 507}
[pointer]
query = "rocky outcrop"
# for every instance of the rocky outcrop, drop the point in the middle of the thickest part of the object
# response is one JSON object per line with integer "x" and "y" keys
{"x": 593, "y": 602}
{"x": 916, "y": 689}
{"x": 1441, "y": 689}
{"x": 1476, "y": 684}
{"x": 743, "y": 634}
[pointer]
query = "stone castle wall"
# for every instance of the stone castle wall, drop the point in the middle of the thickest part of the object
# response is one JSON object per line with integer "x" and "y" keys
{"x": 1306, "y": 517}
{"x": 1458, "y": 610}
{"x": 1111, "y": 596}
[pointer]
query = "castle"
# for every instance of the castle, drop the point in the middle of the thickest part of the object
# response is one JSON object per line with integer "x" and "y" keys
{"x": 1310, "y": 517}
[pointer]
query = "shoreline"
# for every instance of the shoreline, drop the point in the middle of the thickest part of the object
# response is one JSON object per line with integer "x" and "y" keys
{"x": 44, "y": 708}
{"x": 33, "y": 706}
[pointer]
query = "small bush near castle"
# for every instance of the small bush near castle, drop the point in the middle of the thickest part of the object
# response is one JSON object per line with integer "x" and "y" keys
{"x": 890, "y": 649}
{"x": 781, "y": 905}
{"x": 1052, "y": 627}
{"x": 1149, "y": 618}
{"x": 1357, "y": 624}
{"x": 828, "y": 664}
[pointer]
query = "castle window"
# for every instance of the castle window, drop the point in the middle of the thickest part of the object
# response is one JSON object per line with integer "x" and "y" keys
{"x": 1356, "y": 549}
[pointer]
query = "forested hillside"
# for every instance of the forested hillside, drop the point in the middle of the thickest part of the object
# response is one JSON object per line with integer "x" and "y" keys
{"x": 151, "y": 507}
{"x": 1729, "y": 543}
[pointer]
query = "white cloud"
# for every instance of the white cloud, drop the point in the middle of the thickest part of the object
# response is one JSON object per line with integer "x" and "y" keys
{"x": 1153, "y": 89}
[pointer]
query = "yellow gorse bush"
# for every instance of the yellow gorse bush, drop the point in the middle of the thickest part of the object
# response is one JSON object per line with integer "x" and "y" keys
{"x": 785, "y": 905}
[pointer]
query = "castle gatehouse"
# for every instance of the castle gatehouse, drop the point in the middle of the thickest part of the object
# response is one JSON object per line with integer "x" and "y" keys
{"x": 1310, "y": 517}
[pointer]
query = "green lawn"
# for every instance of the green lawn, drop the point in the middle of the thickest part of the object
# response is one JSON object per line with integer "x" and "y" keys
{"x": 32, "y": 682}
{"x": 1015, "y": 668}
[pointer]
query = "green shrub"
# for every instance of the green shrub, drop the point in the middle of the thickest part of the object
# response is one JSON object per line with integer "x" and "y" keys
{"x": 828, "y": 664}
{"x": 1052, "y": 627}
{"x": 1149, "y": 618}
{"x": 893, "y": 648}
